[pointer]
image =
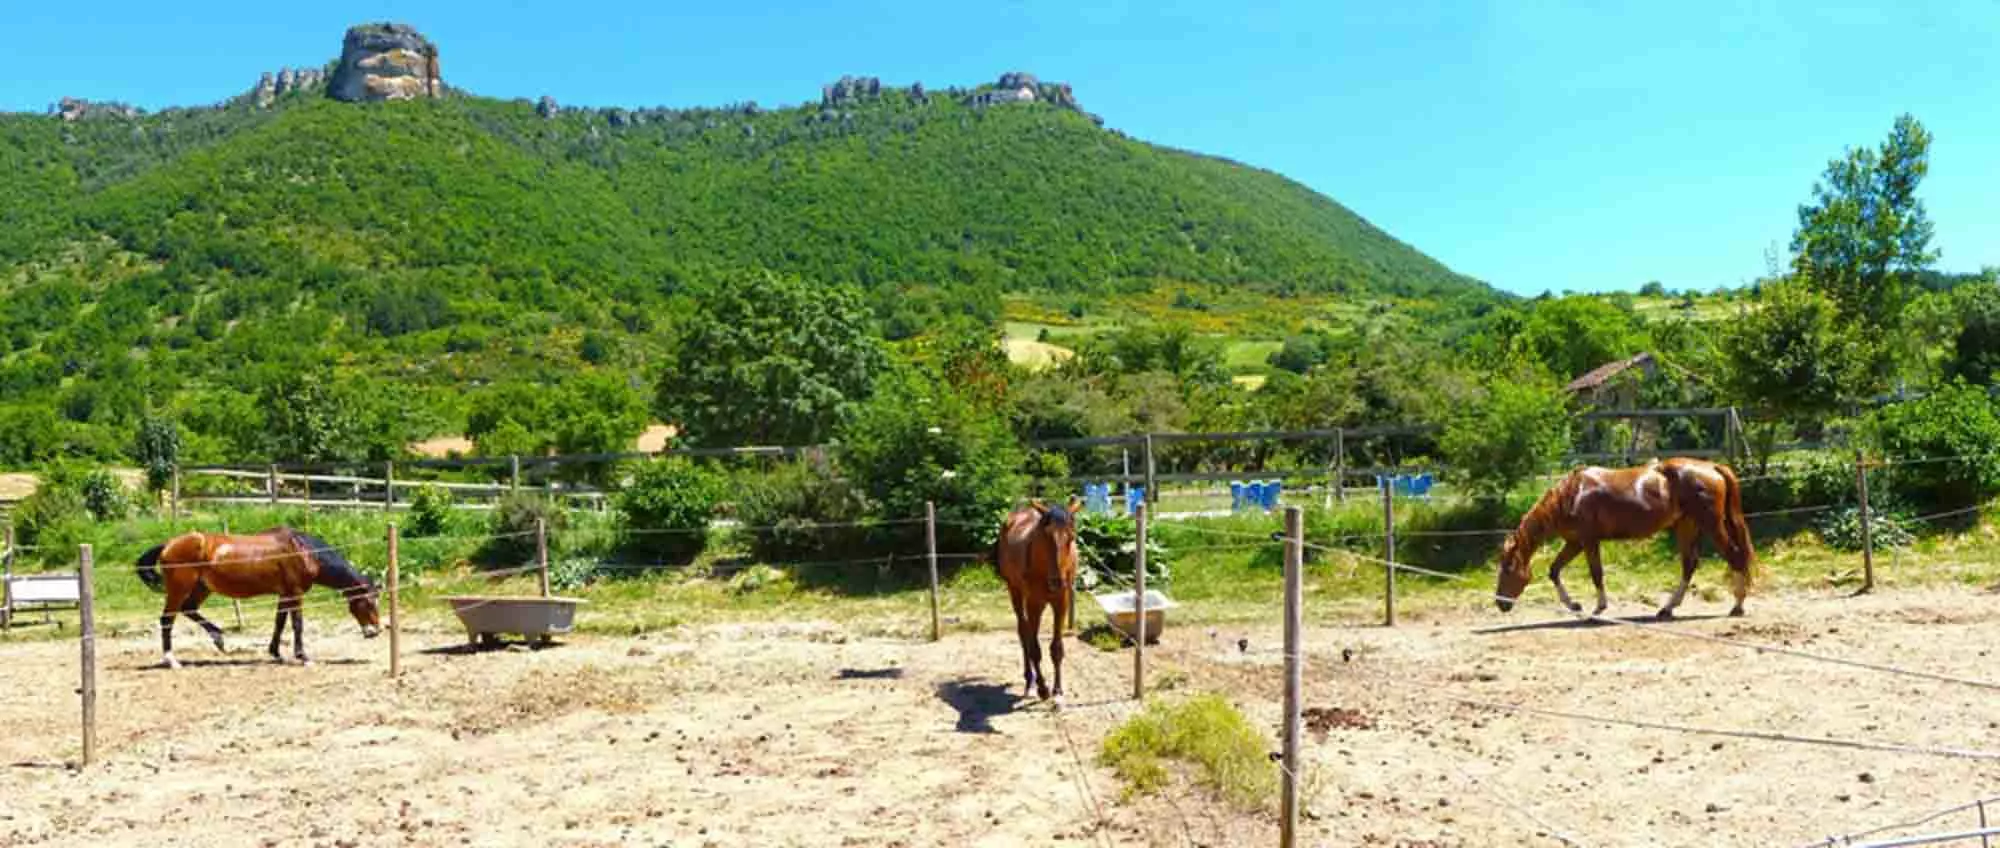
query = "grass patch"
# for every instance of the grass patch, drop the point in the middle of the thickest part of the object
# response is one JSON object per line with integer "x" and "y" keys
{"x": 1206, "y": 733}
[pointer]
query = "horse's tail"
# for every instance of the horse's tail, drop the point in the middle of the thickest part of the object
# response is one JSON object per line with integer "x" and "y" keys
{"x": 1736, "y": 527}
{"x": 149, "y": 568}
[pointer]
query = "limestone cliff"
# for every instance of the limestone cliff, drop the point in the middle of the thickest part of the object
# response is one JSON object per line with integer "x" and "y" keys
{"x": 386, "y": 61}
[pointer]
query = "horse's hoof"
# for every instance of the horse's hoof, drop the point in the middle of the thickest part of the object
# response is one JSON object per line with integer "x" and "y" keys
{"x": 1736, "y": 612}
{"x": 170, "y": 664}
{"x": 1057, "y": 702}
{"x": 1042, "y": 692}
{"x": 303, "y": 662}
{"x": 1665, "y": 614}
{"x": 1575, "y": 607}
{"x": 1600, "y": 610}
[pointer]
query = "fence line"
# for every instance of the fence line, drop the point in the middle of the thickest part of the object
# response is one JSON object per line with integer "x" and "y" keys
{"x": 1850, "y": 839}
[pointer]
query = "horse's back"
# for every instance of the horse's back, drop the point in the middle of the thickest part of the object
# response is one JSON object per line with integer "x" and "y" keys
{"x": 1017, "y": 536}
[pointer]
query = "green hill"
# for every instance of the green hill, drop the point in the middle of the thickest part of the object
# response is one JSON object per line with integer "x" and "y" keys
{"x": 436, "y": 243}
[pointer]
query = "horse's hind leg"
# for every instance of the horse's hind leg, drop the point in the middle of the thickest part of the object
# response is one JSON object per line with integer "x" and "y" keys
{"x": 1026, "y": 637}
{"x": 1686, "y": 537}
{"x": 1596, "y": 558}
{"x": 176, "y": 598}
{"x": 190, "y": 607}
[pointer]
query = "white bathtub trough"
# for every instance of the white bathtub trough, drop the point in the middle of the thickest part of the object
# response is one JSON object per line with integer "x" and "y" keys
{"x": 1119, "y": 613}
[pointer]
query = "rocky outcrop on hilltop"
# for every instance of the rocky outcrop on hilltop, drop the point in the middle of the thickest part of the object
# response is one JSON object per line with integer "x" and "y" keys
{"x": 1024, "y": 87}
{"x": 77, "y": 109}
{"x": 287, "y": 80}
{"x": 386, "y": 61}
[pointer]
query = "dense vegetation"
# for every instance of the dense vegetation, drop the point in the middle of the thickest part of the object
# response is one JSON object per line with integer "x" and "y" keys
{"x": 187, "y": 261}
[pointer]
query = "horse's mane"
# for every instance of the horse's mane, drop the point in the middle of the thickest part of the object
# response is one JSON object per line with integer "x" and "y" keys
{"x": 331, "y": 562}
{"x": 1541, "y": 517}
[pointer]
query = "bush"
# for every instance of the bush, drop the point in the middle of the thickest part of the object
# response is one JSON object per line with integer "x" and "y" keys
{"x": 783, "y": 511}
{"x": 1204, "y": 731}
{"x": 917, "y": 440}
{"x": 158, "y": 449}
{"x": 430, "y": 511}
{"x": 1519, "y": 429}
{"x": 1841, "y": 529}
{"x": 104, "y": 496}
{"x": 1104, "y": 548}
{"x": 1048, "y": 474}
{"x": 1956, "y": 429}
{"x": 54, "y": 518}
{"x": 664, "y": 511}
{"x": 514, "y": 517}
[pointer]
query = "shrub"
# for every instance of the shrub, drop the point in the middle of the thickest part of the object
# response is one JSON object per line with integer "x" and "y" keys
{"x": 1205, "y": 731}
{"x": 1048, "y": 473}
{"x": 1104, "y": 548}
{"x": 430, "y": 511}
{"x": 783, "y": 512}
{"x": 917, "y": 440}
{"x": 1955, "y": 428}
{"x": 104, "y": 496}
{"x": 514, "y": 517}
{"x": 665, "y": 509}
{"x": 158, "y": 449}
{"x": 1841, "y": 529}
{"x": 1517, "y": 430}
{"x": 54, "y": 518}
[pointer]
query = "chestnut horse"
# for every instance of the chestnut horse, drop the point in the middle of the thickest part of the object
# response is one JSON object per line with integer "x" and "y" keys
{"x": 1037, "y": 557}
{"x": 279, "y": 561}
{"x": 1590, "y": 505}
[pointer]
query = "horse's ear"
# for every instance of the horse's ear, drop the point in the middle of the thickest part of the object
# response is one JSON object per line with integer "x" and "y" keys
{"x": 1075, "y": 506}
{"x": 1037, "y": 505}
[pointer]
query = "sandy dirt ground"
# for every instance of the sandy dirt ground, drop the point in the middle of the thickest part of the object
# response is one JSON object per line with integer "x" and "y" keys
{"x": 759, "y": 734}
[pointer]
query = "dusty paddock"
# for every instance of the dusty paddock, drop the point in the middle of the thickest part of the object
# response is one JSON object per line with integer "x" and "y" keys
{"x": 765, "y": 735}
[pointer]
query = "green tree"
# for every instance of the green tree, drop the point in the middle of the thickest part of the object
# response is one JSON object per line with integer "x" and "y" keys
{"x": 1794, "y": 354}
{"x": 1865, "y": 232}
{"x": 1975, "y": 348}
{"x": 917, "y": 440}
{"x": 666, "y": 507}
{"x": 1574, "y": 334}
{"x": 770, "y": 360}
{"x": 158, "y": 450}
{"x": 1520, "y": 428}
{"x": 1957, "y": 421}
{"x": 310, "y": 418}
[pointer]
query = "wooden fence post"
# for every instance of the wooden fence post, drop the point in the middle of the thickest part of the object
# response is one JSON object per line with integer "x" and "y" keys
{"x": 514, "y": 474}
{"x": 1389, "y": 552}
{"x": 388, "y": 486}
{"x": 542, "y": 553}
{"x": 7, "y": 576}
{"x": 174, "y": 496}
{"x": 271, "y": 484}
{"x": 1152, "y": 477}
{"x": 1867, "y": 525}
{"x": 306, "y": 488}
{"x": 1339, "y": 494}
{"x": 1139, "y": 601}
{"x": 395, "y": 609}
{"x": 1295, "y": 533}
{"x": 930, "y": 545}
{"x": 87, "y": 626}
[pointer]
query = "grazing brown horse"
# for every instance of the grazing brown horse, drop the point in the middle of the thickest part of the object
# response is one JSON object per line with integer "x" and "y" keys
{"x": 1037, "y": 558}
{"x": 1694, "y": 497}
{"x": 280, "y": 561}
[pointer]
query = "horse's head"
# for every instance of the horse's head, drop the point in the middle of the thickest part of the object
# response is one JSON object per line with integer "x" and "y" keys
{"x": 1060, "y": 524}
{"x": 1515, "y": 574}
{"x": 361, "y": 605}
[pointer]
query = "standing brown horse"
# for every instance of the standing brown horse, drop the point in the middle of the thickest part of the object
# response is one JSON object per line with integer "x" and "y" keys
{"x": 279, "y": 561}
{"x": 1037, "y": 558}
{"x": 1590, "y": 505}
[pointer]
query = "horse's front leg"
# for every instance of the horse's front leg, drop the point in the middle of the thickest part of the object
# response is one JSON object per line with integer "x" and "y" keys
{"x": 1568, "y": 552}
{"x": 1060, "y": 607}
{"x": 299, "y": 631}
{"x": 1033, "y": 634}
{"x": 278, "y": 632}
{"x": 1026, "y": 638}
{"x": 175, "y": 600}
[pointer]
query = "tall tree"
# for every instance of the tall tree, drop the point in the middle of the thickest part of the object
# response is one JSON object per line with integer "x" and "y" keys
{"x": 770, "y": 359}
{"x": 1865, "y": 231}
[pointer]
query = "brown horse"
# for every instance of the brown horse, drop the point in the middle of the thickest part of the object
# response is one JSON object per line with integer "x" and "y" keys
{"x": 1591, "y": 505}
{"x": 1037, "y": 558}
{"x": 279, "y": 561}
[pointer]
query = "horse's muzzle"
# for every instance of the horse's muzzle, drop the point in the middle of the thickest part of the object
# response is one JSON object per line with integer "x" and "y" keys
{"x": 370, "y": 632}
{"x": 1504, "y": 604}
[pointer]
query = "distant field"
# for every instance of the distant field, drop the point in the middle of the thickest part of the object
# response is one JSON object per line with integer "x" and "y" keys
{"x": 1247, "y": 355}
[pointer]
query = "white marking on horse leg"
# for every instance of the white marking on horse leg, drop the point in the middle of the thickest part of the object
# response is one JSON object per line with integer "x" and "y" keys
{"x": 1562, "y": 594}
{"x": 1602, "y": 603}
{"x": 171, "y": 662}
{"x": 1679, "y": 593}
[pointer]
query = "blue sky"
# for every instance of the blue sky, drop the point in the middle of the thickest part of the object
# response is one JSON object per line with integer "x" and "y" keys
{"x": 1586, "y": 146}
